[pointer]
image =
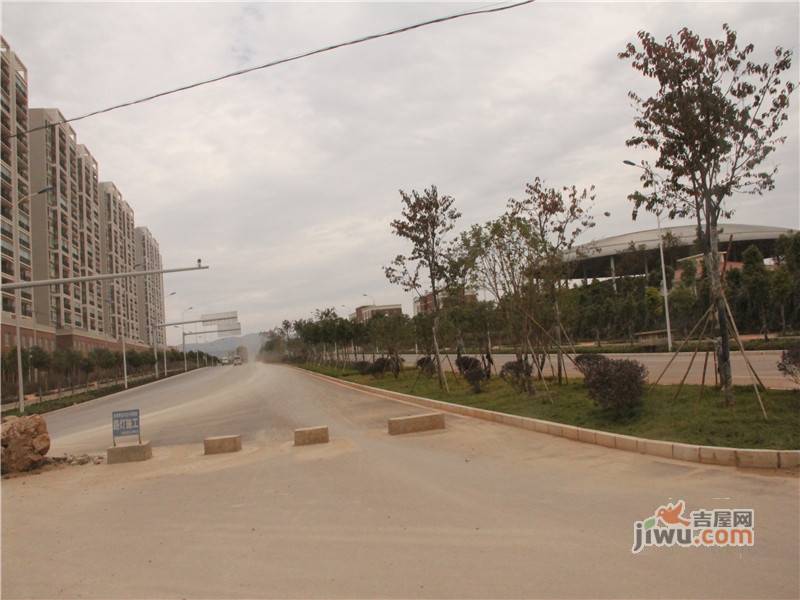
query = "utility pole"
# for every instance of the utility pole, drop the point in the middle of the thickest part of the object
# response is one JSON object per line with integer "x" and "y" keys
{"x": 18, "y": 298}
{"x": 630, "y": 163}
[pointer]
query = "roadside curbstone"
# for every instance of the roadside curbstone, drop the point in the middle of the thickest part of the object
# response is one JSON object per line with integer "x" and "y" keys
{"x": 713, "y": 455}
{"x": 655, "y": 448}
{"x": 605, "y": 439}
{"x": 626, "y": 442}
{"x": 587, "y": 436}
{"x": 789, "y": 459}
{"x": 757, "y": 458}
{"x": 687, "y": 452}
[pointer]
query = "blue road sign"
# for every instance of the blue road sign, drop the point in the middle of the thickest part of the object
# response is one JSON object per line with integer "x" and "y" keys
{"x": 125, "y": 422}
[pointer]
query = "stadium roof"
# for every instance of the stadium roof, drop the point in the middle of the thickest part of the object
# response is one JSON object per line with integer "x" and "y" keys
{"x": 593, "y": 258}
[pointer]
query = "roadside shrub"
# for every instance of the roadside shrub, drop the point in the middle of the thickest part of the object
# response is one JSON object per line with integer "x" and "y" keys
{"x": 386, "y": 364}
{"x": 617, "y": 386}
{"x": 586, "y": 362}
{"x": 789, "y": 364}
{"x": 362, "y": 367}
{"x": 518, "y": 374}
{"x": 427, "y": 365}
{"x": 465, "y": 363}
{"x": 474, "y": 375}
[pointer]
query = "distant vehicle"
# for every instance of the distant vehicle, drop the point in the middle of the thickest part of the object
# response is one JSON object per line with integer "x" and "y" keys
{"x": 224, "y": 360}
{"x": 237, "y": 360}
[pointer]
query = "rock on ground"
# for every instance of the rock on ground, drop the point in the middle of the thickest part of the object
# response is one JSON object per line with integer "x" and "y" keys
{"x": 25, "y": 442}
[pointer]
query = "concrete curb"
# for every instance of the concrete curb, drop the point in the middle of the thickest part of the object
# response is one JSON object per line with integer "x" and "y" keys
{"x": 711, "y": 455}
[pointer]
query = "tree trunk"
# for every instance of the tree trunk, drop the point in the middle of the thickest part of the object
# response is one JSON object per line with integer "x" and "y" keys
{"x": 558, "y": 340}
{"x": 715, "y": 280}
{"x": 439, "y": 369}
{"x": 783, "y": 319}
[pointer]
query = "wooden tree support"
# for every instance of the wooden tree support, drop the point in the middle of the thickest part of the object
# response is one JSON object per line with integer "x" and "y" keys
{"x": 691, "y": 361}
{"x": 683, "y": 343}
{"x": 751, "y": 371}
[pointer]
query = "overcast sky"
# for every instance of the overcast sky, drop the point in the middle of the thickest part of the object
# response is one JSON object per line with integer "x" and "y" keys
{"x": 285, "y": 180}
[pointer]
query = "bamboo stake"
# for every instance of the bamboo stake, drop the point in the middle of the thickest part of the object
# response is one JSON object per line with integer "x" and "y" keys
{"x": 753, "y": 375}
{"x": 538, "y": 369}
{"x": 739, "y": 342}
{"x": 683, "y": 343}
{"x": 703, "y": 380}
{"x": 691, "y": 361}
{"x": 549, "y": 337}
{"x": 716, "y": 374}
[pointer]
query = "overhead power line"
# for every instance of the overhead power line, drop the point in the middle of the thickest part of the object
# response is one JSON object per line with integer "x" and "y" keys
{"x": 281, "y": 61}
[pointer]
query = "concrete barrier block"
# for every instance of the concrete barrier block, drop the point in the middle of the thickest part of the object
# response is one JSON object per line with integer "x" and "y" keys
{"x": 761, "y": 459}
{"x": 311, "y": 435}
{"x": 129, "y": 453}
{"x": 714, "y": 455}
{"x": 626, "y": 442}
{"x": 789, "y": 459}
{"x": 688, "y": 452}
{"x": 222, "y": 443}
{"x": 602, "y": 438}
{"x": 587, "y": 435}
{"x": 415, "y": 423}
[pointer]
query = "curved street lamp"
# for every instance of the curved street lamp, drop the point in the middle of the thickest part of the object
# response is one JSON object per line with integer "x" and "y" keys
{"x": 661, "y": 252}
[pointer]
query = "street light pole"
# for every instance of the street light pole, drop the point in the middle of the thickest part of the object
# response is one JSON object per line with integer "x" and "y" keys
{"x": 165, "y": 342}
{"x": 183, "y": 330}
{"x": 664, "y": 281}
{"x": 661, "y": 253}
{"x": 18, "y": 297}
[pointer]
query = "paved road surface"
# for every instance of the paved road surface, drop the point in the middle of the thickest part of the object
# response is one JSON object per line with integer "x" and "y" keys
{"x": 764, "y": 362}
{"x": 477, "y": 510}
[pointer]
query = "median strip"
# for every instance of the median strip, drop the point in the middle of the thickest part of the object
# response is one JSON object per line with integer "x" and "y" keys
{"x": 715, "y": 455}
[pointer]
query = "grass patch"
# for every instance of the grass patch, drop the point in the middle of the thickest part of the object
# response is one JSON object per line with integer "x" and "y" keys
{"x": 688, "y": 418}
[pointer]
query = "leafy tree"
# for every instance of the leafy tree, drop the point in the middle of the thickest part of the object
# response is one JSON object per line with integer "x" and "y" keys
{"x": 781, "y": 286}
{"x": 426, "y": 221}
{"x": 557, "y": 217}
{"x": 713, "y": 121}
{"x": 756, "y": 280}
{"x": 682, "y": 308}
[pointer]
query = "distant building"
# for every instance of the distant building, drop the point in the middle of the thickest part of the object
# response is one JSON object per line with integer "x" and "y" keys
{"x": 119, "y": 256}
{"x": 78, "y": 227}
{"x": 149, "y": 289}
{"x": 365, "y": 313}
{"x": 424, "y": 304}
{"x": 600, "y": 258}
